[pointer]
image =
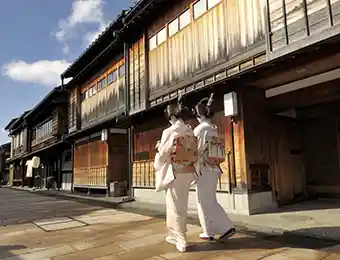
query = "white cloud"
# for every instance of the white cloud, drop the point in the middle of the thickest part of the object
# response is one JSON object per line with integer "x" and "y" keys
{"x": 83, "y": 12}
{"x": 43, "y": 72}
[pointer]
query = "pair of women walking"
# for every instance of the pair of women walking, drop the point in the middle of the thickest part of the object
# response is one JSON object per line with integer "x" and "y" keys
{"x": 186, "y": 157}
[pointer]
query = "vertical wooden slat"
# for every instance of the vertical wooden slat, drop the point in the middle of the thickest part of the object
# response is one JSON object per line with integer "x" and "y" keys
{"x": 330, "y": 13}
{"x": 268, "y": 31}
{"x": 285, "y": 21}
{"x": 306, "y": 17}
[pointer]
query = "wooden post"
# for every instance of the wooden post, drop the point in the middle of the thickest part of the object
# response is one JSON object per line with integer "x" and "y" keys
{"x": 22, "y": 173}
{"x": 59, "y": 173}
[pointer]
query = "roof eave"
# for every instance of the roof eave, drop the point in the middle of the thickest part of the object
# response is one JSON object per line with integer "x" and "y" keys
{"x": 43, "y": 101}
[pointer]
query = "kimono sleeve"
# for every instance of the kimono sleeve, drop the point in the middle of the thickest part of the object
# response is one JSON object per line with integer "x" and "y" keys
{"x": 201, "y": 137}
{"x": 164, "y": 149}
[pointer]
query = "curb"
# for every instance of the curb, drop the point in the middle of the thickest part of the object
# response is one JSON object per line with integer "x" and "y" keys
{"x": 159, "y": 213}
{"x": 88, "y": 200}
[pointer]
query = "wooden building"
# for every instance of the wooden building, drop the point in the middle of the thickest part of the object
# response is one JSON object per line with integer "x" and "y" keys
{"x": 48, "y": 123}
{"x": 97, "y": 100}
{"x": 260, "y": 50}
{"x": 39, "y": 132}
{"x": 5, "y": 153}
{"x": 18, "y": 133}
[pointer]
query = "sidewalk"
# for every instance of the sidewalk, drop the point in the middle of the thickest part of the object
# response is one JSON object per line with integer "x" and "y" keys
{"x": 315, "y": 219}
{"x": 110, "y": 234}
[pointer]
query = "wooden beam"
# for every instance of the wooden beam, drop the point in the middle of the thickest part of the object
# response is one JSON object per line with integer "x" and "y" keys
{"x": 304, "y": 83}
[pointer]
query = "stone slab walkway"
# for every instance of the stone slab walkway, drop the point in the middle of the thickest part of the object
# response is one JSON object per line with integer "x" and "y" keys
{"x": 315, "y": 219}
{"x": 48, "y": 228}
{"x": 113, "y": 234}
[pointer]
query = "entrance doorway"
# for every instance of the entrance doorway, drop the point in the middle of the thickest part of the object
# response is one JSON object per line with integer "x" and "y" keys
{"x": 288, "y": 161}
{"x": 321, "y": 147}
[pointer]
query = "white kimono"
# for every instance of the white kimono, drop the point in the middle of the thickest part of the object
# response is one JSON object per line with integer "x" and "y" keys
{"x": 213, "y": 218}
{"x": 177, "y": 188}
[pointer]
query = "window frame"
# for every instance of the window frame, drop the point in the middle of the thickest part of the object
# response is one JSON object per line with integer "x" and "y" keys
{"x": 214, "y": 4}
{"x": 170, "y": 34}
{"x": 151, "y": 40}
{"x": 163, "y": 33}
{"x": 201, "y": 13}
{"x": 108, "y": 78}
{"x": 181, "y": 27}
{"x": 119, "y": 70}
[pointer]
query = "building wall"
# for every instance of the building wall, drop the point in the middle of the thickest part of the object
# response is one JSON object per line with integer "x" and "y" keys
{"x": 46, "y": 132}
{"x": 293, "y": 21}
{"x": 232, "y": 187}
{"x": 91, "y": 163}
{"x": 20, "y": 141}
{"x": 177, "y": 52}
{"x": 103, "y": 94}
{"x": 320, "y": 133}
{"x": 137, "y": 76}
{"x": 232, "y": 203}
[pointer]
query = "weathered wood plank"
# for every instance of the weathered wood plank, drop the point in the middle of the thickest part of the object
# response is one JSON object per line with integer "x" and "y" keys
{"x": 221, "y": 34}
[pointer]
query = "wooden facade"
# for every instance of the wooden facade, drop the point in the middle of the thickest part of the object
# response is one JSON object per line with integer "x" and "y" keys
{"x": 104, "y": 95}
{"x": 138, "y": 93}
{"x": 97, "y": 163}
{"x": 5, "y": 153}
{"x": 20, "y": 142}
{"x": 91, "y": 164}
{"x": 48, "y": 121}
{"x": 294, "y": 24}
{"x": 187, "y": 47}
{"x": 187, "y": 44}
{"x": 147, "y": 134}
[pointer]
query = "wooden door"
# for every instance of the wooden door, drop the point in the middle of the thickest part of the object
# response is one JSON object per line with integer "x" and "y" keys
{"x": 289, "y": 171}
{"x": 118, "y": 157}
{"x": 321, "y": 146}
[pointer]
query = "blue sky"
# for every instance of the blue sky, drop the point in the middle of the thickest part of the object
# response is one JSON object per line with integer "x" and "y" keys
{"x": 40, "y": 38}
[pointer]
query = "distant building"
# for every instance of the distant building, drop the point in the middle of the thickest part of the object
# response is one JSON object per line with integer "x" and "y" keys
{"x": 5, "y": 153}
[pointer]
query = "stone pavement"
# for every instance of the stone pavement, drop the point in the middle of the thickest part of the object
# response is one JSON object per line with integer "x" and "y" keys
{"x": 315, "y": 218}
{"x": 38, "y": 228}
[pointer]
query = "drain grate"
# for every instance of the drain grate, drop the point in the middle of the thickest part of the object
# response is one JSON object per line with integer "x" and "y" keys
{"x": 56, "y": 224}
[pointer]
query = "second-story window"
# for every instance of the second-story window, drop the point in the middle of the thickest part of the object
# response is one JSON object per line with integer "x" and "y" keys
{"x": 121, "y": 71}
{"x": 173, "y": 27}
{"x": 184, "y": 19}
{"x": 102, "y": 84}
{"x": 153, "y": 42}
{"x": 199, "y": 8}
{"x": 112, "y": 77}
{"x": 21, "y": 138}
{"x": 43, "y": 130}
{"x": 212, "y": 3}
{"x": 161, "y": 36}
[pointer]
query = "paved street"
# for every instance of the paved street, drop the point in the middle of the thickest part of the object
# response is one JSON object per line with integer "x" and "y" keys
{"x": 35, "y": 227}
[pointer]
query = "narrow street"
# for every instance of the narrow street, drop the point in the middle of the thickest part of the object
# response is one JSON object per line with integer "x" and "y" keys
{"x": 35, "y": 227}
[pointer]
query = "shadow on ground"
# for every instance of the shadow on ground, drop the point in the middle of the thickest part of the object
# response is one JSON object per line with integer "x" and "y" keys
{"x": 5, "y": 250}
{"x": 309, "y": 205}
{"x": 321, "y": 232}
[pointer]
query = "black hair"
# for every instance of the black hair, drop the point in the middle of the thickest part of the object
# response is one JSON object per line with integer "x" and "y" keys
{"x": 203, "y": 108}
{"x": 176, "y": 109}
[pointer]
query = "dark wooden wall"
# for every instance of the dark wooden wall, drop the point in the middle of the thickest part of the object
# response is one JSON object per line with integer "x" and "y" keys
{"x": 118, "y": 157}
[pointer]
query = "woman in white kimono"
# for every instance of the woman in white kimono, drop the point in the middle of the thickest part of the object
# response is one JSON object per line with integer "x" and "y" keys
{"x": 175, "y": 173}
{"x": 213, "y": 218}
